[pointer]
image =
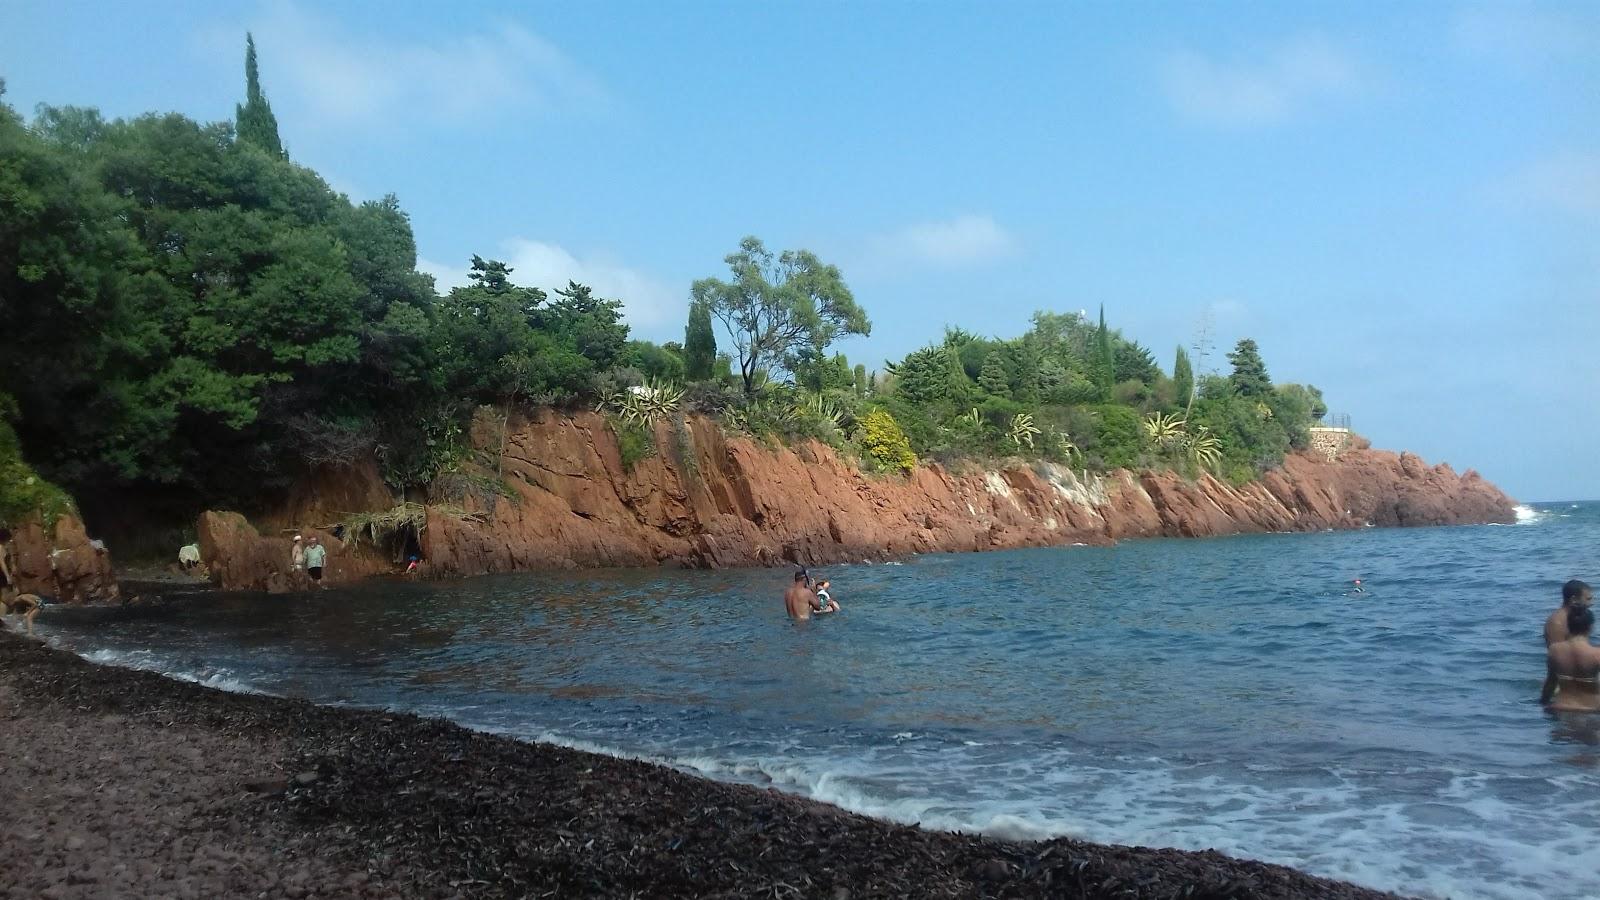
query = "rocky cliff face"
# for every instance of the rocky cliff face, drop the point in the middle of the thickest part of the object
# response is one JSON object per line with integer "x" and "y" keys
{"x": 708, "y": 500}
{"x": 62, "y": 563}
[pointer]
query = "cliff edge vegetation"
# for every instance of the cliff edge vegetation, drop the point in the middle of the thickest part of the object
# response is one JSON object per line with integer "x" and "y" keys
{"x": 207, "y": 324}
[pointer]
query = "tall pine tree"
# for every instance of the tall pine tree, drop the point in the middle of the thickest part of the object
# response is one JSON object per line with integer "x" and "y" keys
{"x": 254, "y": 120}
{"x": 1249, "y": 378}
{"x": 699, "y": 343}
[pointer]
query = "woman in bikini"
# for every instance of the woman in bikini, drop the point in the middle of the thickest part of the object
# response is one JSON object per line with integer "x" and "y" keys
{"x": 1572, "y": 682}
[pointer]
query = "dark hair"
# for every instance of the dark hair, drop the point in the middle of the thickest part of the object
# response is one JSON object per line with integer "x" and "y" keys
{"x": 800, "y": 575}
{"x": 5, "y": 535}
{"x": 1573, "y": 590}
{"x": 1579, "y": 620}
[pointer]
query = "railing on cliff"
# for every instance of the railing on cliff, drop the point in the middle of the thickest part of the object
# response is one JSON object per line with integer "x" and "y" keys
{"x": 1339, "y": 421}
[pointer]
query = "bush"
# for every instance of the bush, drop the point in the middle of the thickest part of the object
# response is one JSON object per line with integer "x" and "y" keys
{"x": 23, "y": 494}
{"x": 884, "y": 443}
{"x": 1118, "y": 440}
{"x": 635, "y": 441}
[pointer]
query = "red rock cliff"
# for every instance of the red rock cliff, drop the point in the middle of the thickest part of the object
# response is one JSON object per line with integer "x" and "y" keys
{"x": 62, "y": 563}
{"x": 706, "y": 499}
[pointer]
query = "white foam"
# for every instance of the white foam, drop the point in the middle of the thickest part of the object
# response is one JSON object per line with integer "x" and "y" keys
{"x": 144, "y": 660}
{"x": 1527, "y": 515}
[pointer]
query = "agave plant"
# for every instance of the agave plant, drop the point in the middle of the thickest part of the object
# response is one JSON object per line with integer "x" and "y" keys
{"x": 611, "y": 401}
{"x": 820, "y": 409}
{"x": 1063, "y": 444}
{"x": 657, "y": 400}
{"x": 1203, "y": 447}
{"x": 1165, "y": 430}
{"x": 1023, "y": 430}
{"x": 971, "y": 419}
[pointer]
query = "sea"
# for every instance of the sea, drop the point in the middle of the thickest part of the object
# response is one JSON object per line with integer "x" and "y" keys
{"x": 1232, "y": 693}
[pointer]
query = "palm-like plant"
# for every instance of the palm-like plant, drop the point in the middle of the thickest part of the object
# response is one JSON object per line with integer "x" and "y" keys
{"x": 1023, "y": 430}
{"x": 656, "y": 400}
{"x": 826, "y": 414}
{"x": 1203, "y": 447}
{"x": 1063, "y": 444}
{"x": 1165, "y": 430}
{"x": 971, "y": 419}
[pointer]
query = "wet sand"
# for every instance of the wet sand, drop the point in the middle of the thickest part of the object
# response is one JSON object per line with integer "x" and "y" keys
{"x": 119, "y": 783}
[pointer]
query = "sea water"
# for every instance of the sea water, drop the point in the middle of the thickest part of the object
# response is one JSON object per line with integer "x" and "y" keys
{"x": 1229, "y": 693}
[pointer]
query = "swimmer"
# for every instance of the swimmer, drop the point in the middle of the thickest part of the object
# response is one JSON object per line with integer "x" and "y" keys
{"x": 800, "y": 600}
{"x": 1572, "y": 667}
{"x": 828, "y": 603}
{"x": 1573, "y": 593}
{"x": 1357, "y": 589}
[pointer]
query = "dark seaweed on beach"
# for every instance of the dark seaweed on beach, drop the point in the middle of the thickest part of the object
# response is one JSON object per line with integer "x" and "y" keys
{"x": 316, "y": 801}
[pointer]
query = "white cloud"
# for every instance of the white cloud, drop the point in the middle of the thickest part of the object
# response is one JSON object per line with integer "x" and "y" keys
{"x": 1568, "y": 182}
{"x": 648, "y": 303}
{"x": 1296, "y": 74}
{"x": 962, "y": 241}
{"x": 335, "y": 74}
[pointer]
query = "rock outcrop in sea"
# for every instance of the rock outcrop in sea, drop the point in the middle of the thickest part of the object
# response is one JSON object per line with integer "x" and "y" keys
{"x": 561, "y": 497}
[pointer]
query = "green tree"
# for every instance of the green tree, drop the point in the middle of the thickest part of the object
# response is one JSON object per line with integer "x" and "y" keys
{"x": 1249, "y": 378}
{"x": 1105, "y": 363}
{"x": 1183, "y": 378}
{"x": 254, "y": 121}
{"x": 776, "y": 308}
{"x": 699, "y": 343}
{"x": 993, "y": 377}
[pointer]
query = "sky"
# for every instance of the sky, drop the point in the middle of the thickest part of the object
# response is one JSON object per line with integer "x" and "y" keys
{"x": 1399, "y": 202}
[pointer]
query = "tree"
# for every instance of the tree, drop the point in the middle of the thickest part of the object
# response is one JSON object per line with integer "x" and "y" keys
{"x": 699, "y": 343}
{"x": 1105, "y": 362}
{"x": 776, "y": 308}
{"x": 993, "y": 378}
{"x": 254, "y": 121}
{"x": 1249, "y": 378}
{"x": 1183, "y": 379}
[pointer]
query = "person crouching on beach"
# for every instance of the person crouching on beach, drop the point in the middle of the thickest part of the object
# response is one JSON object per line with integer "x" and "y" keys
{"x": 825, "y": 597}
{"x": 25, "y": 605}
{"x": 316, "y": 557}
{"x": 1573, "y": 593}
{"x": 1572, "y": 667}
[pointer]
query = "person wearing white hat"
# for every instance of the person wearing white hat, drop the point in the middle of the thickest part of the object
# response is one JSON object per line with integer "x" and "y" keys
{"x": 297, "y": 556}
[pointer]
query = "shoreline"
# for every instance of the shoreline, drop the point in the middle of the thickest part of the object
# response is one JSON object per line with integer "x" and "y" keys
{"x": 123, "y": 781}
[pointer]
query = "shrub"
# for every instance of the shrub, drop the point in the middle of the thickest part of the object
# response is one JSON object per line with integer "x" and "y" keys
{"x": 884, "y": 443}
{"x": 635, "y": 441}
{"x": 1118, "y": 441}
{"x": 23, "y": 494}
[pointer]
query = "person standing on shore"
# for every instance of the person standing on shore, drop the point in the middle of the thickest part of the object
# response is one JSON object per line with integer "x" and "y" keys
{"x": 1573, "y": 593}
{"x": 316, "y": 556}
{"x": 7, "y": 582}
{"x": 297, "y": 556}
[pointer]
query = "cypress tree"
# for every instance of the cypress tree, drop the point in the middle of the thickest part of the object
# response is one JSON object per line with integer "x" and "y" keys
{"x": 1105, "y": 353}
{"x": 1183, "y": 378}
{"x": 699, "y": 343}
{"x": 254, "y": 120}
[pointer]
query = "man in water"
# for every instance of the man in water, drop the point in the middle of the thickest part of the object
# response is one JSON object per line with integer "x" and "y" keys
{"x": 1573, "y": 593}
{"x": 800, "y": 600}
{"x": 1572, "y": 669}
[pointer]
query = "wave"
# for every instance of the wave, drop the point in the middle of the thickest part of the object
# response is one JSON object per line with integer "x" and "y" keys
{"x": 146, "y": 661}
{"x": 1527, "y": 515}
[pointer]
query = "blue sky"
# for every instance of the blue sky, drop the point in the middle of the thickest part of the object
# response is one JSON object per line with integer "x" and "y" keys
{"x": 1399, "y": 202}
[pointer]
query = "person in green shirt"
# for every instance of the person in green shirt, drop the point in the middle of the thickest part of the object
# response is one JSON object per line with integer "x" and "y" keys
{"x": 316, "y": 558}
